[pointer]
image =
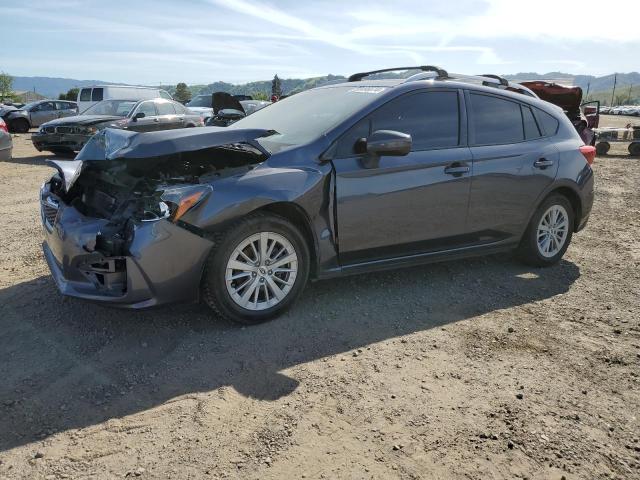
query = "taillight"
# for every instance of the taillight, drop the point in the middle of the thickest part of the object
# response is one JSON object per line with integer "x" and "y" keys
{"x": 3, "y": 126}
{"x": 589, "y": 153}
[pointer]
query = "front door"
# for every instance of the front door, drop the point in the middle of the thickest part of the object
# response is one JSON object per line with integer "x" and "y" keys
{"x": 150, "y": 122}
{"x": 402, "y": 205}
{"x": 43, "y": 113}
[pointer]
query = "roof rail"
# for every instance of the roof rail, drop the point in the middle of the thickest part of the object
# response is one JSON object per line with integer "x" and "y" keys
{"x": 425, "y": 68}
{"x": 491, "y": 80}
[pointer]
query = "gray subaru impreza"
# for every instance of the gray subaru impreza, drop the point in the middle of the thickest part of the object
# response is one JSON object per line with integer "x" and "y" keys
{"x": 347, "y": 178}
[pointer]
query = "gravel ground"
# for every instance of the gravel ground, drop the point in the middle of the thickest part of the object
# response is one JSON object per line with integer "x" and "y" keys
{"x": 475, "y": 369}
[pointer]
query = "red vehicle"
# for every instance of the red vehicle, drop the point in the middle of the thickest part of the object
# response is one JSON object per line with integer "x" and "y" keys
{"x": 584, "y": 116}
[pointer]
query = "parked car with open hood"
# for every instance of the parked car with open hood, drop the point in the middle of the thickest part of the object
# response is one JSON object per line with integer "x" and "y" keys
{"x": 34, "y": 114}
{"x": 584, "y": 116}
{"x": 71, "y": 134}
{"x": 341, "y": 179}
{"x": 234, "y": 107}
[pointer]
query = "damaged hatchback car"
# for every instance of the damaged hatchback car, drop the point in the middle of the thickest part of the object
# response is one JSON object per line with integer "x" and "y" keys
{"x": 348, "y": 178}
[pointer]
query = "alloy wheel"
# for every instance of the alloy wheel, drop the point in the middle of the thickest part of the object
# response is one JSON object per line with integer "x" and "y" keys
{"x": 552, "y": 231}
{"x": 261, "y": 271}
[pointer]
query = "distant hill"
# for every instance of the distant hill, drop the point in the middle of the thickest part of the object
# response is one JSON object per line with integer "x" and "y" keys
{"x": 51, "y": 87}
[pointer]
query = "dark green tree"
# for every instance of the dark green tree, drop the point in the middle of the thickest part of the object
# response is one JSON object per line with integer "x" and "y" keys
{"x": 6, "y": 83}
{"x": 182, "y": 93}
{"x": 72, "y": 95}
{"x": 276, "y": 86}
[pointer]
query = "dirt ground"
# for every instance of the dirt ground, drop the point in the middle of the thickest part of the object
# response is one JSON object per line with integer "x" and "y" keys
{"x": 475, "y": 369}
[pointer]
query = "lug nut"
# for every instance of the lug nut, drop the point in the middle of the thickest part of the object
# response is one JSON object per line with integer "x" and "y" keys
{"x": 270, "y": 272}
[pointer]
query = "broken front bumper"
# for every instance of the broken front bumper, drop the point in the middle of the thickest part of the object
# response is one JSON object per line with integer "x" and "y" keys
{"x": 67, "y": 141}
{"x": 163, "y": 264}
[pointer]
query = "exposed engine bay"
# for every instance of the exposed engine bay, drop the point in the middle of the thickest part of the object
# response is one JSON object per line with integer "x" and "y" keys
{"x": 127, "y": 191}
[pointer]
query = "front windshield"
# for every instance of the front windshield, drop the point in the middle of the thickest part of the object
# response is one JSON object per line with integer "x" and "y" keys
{"x": 306, "y": 116}
{"x": 116, "y": 108}
{"x": 200, "y": 101}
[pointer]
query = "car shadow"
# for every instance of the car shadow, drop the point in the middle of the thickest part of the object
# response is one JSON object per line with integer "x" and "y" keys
{"x": 70, "y": 364}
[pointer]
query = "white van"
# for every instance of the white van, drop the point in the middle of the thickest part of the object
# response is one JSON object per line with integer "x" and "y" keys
{"x": 88, "y": 96}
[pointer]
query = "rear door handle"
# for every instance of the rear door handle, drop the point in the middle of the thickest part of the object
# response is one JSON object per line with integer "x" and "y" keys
{"x": 542, "y": 163}
{"x": 456, "y": 170}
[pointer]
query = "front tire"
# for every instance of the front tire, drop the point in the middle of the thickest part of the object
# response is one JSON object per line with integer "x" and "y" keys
{"x": 549, "y": 232}
{"x": 256, "y": 270}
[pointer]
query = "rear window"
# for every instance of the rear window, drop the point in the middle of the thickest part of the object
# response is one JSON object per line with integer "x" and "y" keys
{"x": 85, "y": 95}
{"x": 531, "y": 130}
{"x": 495, "y": 121}
{"x": 97, "y": 95}
{"x": 165, "y": 108}
{"x": 548, "y": 122}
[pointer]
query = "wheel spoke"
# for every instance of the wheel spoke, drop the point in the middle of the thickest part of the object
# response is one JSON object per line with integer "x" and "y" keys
{"x": 237, "y": 265}
{"x": 277, "y": 291}
{"x": 264, "y": 239}
{"x": 283, "y": 261}
{"x": 244, "y": 300}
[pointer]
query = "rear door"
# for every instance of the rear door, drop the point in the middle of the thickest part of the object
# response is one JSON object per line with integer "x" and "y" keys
{"x": 169, "y": 119}
{"x": 514, "y": 160}
{"x": 404, "y": 205}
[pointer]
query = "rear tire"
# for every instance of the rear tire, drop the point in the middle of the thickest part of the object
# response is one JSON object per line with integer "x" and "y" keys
{"x": 19, "y": 126}
{"x": 549, "y": 232}
{"x": 634, "y": 149}
{"x": 602, "y": 148}
{"x": 245, "y": 279}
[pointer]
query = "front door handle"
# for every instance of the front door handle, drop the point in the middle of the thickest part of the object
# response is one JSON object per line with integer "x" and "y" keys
{"x": 456, "y": 169}
{"x": 156, "y": 119}
{"x": 543, "y": 163}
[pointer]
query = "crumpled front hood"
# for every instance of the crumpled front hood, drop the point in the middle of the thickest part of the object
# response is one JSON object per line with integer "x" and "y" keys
{"x": 115, "y": 144}
{"x": 567, "y": 98}
{"x": 82, "y": 120}
{"x": 7, "y": 109}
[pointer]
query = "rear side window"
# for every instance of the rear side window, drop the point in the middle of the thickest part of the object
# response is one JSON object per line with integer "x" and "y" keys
{"x": 165, "y": 108}
{"x": 548, "y": 122}
{"x": 85, "y": 95}
{"x": 97, "y": 95}
{"x": 531, "y": 130}
{"x": 495, "y": 121}
{"x": 431, "y": 118}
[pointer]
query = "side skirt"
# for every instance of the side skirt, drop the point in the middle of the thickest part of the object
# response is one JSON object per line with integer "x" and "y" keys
{"x": 417, "y": 259}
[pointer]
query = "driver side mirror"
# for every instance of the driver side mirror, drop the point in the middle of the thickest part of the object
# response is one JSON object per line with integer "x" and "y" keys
{"x": 381, "y": 143}
{"x": 388, "y": 142}
{"x": 138, "y": 115}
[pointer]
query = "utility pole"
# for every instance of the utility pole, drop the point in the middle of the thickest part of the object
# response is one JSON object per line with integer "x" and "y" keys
{"x": 629, "y": 99}
{"x": 615, "y": 80}
{"x": 586, "y": 97}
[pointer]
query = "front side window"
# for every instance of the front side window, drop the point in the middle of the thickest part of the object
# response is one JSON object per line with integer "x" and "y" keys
{"x": 165, "y": 108}
{"x": 431, "y": 118}
{"x": 97, "y": 95}
{"x": 495, "y": 120}
{"x": 148, "y": 108}
{"x": 85, "y": 95}
{"x": 46, "y": 107}
{"x": 120, "y": 108}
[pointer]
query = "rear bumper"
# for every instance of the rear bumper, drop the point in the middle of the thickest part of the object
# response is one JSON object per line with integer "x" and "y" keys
{"x": 163, "y": 262}
{"x": 69, "y": 141}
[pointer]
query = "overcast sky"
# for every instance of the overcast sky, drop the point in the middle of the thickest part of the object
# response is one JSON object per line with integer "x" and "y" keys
{"x": 201, "y": 41}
